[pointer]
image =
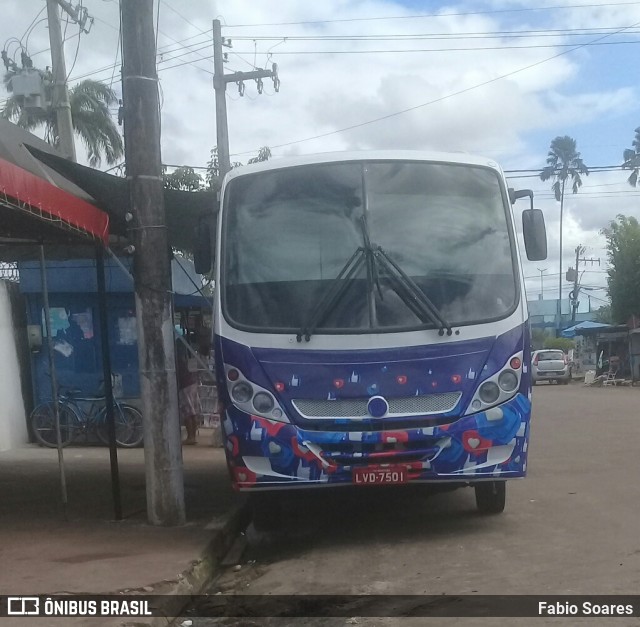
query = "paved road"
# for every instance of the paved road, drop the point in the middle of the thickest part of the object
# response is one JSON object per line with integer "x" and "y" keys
{"x": 571, "y": 527}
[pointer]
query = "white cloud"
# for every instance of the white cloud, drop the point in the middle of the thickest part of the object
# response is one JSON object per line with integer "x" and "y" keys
{"x": 471, "y": 107}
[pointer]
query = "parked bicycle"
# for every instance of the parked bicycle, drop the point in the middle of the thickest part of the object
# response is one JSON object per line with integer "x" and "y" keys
{"x": 82, "y": 415}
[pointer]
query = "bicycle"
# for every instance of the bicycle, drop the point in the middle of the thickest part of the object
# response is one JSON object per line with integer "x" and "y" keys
{"x": 75, "y": 420}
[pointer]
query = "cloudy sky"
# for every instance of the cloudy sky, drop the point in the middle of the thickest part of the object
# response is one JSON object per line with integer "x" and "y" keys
{"x": 499, "y": 78}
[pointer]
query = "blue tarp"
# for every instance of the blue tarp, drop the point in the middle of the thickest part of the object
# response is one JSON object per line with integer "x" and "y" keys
{"x": 575, "y": 330}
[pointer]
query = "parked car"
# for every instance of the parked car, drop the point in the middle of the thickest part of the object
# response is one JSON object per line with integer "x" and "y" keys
{"x": 550, "y": 365}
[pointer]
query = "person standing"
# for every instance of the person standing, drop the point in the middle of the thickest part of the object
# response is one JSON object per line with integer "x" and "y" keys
{"x": 188, "y": 398}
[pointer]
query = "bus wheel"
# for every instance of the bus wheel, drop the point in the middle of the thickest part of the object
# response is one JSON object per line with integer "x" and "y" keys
{"x": 491, "y": 496}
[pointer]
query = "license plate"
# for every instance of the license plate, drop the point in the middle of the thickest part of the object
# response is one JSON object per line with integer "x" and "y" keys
{"x": 379, "y": 476}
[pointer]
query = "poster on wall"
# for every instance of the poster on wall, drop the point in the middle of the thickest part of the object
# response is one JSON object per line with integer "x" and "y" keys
{"x": 127, "y": 331}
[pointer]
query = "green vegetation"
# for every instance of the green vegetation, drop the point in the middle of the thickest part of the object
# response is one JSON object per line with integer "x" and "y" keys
{"x": 631, "y": 158}
{"x": 623, "y": 251}
{"x": 560, "y": 343}
{"x": 563, "y": 163}
{"x": 92, "y": 122}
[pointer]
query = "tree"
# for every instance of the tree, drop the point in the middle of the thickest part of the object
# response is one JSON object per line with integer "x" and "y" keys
{"x": 213, "y": 167}
{"x": 89, "y": 101}
{"x": 623, "y": 277}
{"x": 603, "y": 314}
{"x": 631, "y": 158}
{"x": 538, "y": 337}
{"x": 559, "y": 343}
{"x": 213, "y": 171}
{"x": 563, "y": 163}
{"x": 183, "y": 178}
{"x": 264, "y": 154}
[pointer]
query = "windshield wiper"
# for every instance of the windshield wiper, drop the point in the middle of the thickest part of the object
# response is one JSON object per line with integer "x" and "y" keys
{"x": 374, "y": 256}
{"x": 333, "y": 295}
{"x": 410, "y": 293}
{"x": 403, "y": 285}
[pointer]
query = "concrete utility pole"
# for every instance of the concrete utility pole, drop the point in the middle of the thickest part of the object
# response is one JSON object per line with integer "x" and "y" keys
{"x": 574, "y": 294}
{"x": 60, "y": 92}
{"x": 220, "y": 85}
{"x": 152, "y": 269}
{"x": 580, "y": 250}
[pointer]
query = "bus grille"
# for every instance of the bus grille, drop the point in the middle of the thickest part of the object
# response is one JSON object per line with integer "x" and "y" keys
{"x": 357, "y": 407}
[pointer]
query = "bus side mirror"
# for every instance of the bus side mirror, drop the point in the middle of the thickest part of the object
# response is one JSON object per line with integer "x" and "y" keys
{"x": 204, "y": 245}
{"x": 535, "y": 234}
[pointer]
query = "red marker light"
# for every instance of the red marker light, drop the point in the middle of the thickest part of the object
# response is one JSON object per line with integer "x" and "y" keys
{"x": 434, "y": 384}
{"x": 456, "y": 378}
{"x": 515, "y": 363}
{"x": 401, "y": 379}
{"x": 233, "y": 375}
{"x": 339, "y": 383}
{"x": 279, "y": 386}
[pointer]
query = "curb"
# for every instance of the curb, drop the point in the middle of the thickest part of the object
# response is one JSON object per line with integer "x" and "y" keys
{"x": 199, "y": 575}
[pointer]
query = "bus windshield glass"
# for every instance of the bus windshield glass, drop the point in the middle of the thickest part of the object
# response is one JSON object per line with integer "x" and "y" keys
{"x": 288, "y": 235}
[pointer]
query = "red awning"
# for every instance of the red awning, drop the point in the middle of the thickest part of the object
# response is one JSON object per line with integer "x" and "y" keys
{"x": 24, "y": 192}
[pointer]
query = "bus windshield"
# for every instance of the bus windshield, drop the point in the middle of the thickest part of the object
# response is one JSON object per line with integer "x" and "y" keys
{"x": 289, "y": 233}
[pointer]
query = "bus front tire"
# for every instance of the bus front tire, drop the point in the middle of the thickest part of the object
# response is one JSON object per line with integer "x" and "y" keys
{"x": 491, "y": 496}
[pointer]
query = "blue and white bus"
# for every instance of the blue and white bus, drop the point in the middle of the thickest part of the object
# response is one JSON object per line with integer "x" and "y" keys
{"x": 371, "y": 324}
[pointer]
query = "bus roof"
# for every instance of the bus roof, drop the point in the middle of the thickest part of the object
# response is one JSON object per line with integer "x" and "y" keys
{"x": 364, "y": 155}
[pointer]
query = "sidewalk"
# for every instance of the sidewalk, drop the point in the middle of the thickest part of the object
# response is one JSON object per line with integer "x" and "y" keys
{"x": 42, "y": 553}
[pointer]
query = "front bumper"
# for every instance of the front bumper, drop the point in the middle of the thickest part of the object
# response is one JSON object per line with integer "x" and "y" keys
{"x": 266, "y": 454}
{"x": 554, "y": 375}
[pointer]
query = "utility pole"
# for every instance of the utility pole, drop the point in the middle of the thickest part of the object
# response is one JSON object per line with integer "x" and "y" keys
{"x": 574, "y": 294}
{"x": 541, "y": 270}
{"x": 152, "y": 269}
{"x": 61, "y": 104}
{"x": 580, "y": 250}
{"x": 220, "y": 81}
{"x": 60, "y": 92}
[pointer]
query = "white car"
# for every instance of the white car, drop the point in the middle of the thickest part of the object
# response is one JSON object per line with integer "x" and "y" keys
{"x": 550, "y": 365}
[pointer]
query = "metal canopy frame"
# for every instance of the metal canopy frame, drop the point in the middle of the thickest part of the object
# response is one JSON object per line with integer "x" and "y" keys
{"x": 34, "y": 214}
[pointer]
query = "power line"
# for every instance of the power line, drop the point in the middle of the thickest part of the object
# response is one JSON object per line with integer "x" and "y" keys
{"x": 198, "y": 45}
{"x": 201, "y": 45}
{"x": 447, "y": 96}
{"x": 115, "y": 61}
{"x": 182, "y": 16}
{"x": 433, "y": 15}
{"x": 591, "y": 168}
{"x": 460, "y": 49}
{"x": 33, "y": 24}
{"x": 447, "y": 36}
{"x": 75, "y": 58}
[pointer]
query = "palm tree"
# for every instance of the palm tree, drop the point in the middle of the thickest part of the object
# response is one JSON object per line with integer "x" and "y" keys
{"x": 631, "y": 158}
{"x": 563, "y": 162}
{"x": 92, "y": 121}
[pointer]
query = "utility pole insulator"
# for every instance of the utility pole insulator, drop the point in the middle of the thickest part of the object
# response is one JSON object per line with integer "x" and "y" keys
{"x": 79, "y": 14}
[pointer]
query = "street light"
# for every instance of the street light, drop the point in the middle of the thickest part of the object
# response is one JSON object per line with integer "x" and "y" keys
{"x": 541, "y": 270}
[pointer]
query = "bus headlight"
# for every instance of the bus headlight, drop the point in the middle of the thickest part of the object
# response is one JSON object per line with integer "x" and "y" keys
{"x": 242, "y": 392}
{"x": 489, "y": 392}
{"x": 508, "y": 380}
{"x": 499, "y": 387}
{"x": 252, "y": 398}
{"x": 263, "y": 403}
